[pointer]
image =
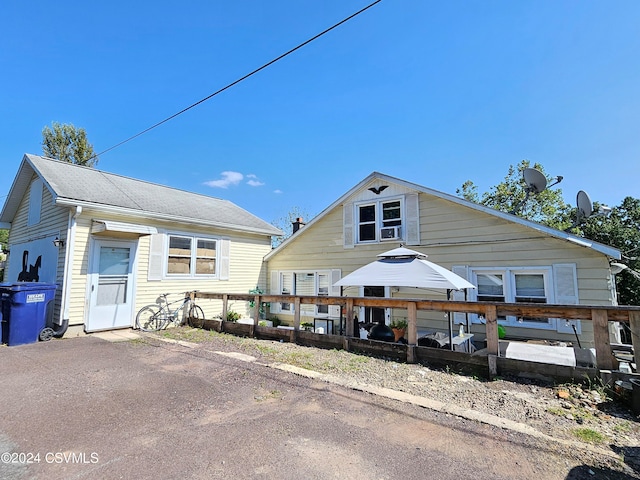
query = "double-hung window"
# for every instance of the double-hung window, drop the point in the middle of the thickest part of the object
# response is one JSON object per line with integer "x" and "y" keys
{"x": 323, "y": 291}
{"x": 298, "y": 283}
{"x": 316, "y": 283}
{"x": 372, "y": 217}
{"x": 191, "y": 256}
{"x": 530, "y": 288}
{"x": 491, "y": 288}
{"x": 515, "y": 285}
{"x": 367, "y": 223}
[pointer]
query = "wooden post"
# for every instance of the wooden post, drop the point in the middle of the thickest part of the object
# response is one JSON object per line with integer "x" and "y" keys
{"x": 491, "y": 317}
{"x": 348, "y": 328}
{"x": 225, "y": 309}
{"x": 412, "y": 315}
{"x": 296, "y": 313}
{"x": 256, "y": 310}
{"x": 604, "y": 355}
{"x": 634, "y": 325}
{"x": 192, "y": 296}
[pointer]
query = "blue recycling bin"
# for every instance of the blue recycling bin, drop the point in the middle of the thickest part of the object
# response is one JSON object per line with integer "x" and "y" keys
{"x": 24, "y": 311}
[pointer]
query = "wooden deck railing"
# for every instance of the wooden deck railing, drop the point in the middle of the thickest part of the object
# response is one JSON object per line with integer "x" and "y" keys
{"x": 598, "y": 315}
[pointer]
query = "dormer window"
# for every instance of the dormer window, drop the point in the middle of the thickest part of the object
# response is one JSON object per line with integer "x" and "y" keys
{"x": 374, "y": 219}
{"x": 367, "y": 223}
{"x": 394, "y": 218}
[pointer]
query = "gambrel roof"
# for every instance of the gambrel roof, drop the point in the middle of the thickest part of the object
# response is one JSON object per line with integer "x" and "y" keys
{"x": 73, "y": 185}
{"x": 376, "y": 177}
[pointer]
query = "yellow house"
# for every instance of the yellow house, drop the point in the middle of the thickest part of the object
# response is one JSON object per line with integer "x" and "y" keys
{"x": 112, "y": 244}
{"x": 508, "y": 259}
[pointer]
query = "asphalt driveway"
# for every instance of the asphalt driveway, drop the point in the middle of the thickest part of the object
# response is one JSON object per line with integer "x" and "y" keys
{"x": 91, "y": 408}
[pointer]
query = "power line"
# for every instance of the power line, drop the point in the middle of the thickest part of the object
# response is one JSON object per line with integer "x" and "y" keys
{"x": 239, "y": 80}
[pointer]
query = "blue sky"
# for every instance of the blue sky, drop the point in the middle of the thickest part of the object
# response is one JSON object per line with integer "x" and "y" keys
{"x": 436, "y": 93}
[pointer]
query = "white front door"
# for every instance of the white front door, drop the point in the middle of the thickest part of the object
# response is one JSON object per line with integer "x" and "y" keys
{"x": 111, "y": 285}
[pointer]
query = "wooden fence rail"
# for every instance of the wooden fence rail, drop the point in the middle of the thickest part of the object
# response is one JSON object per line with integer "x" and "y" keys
{"x": 598, "y": 314}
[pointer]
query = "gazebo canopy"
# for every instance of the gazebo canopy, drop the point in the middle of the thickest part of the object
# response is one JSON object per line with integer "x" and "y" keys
{"x": 402, "y": 267}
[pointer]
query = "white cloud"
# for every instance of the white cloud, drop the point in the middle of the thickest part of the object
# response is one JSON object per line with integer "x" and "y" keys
{"x": 228, "y": 179}
{"x": 253, "y": 180}
{"x": 277, "y": 191}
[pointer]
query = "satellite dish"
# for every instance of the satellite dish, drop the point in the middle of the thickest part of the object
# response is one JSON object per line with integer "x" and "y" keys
{"x": 535, "y": 180}
{"x": 536, "y": 183}
{"x": 585, "y": 207}
{"x": 618, "y": 267}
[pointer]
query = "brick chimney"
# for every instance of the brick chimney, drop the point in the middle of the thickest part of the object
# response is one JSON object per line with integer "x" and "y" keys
{"x": 298, "y": 224}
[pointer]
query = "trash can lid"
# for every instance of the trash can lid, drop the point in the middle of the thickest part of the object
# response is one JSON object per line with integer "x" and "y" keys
{"x": 23, "y": 286}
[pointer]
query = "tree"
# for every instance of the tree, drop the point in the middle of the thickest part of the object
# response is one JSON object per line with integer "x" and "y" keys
{"x": 621, "y": 229}
{"x": 285, "y": 223}
{"x": 69, "y": 144}
{"x": 546, "y": 207}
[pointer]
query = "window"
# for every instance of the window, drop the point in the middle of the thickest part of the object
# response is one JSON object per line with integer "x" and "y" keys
{"x": 191, "y": 256}
{"x": 373, "y": 216}
{"x": 308, "y": 284}
{"x": 305, "y": 284}
{"x": 515, "y": 285}
{"x": 391, "y": 214}
{"x": 206, "y": 257}
{"x": 323, "y": 291}
{"x": 367, "y": 223}
{"x": 529, "y": 288}
{"x": 286, "y": 288}
{"x": 491, "y": 288}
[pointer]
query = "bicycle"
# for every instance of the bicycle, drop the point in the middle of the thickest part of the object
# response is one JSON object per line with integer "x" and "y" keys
{"x": 154, "y": 317}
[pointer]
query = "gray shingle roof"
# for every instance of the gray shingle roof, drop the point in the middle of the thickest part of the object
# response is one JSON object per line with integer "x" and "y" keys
{"x": 76, "y": 184}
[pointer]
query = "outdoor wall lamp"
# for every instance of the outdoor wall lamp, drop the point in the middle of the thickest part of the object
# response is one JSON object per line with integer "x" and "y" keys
{"x": 58, "y": 243}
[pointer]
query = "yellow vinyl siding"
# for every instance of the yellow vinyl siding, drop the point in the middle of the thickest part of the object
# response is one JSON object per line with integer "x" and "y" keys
{"x": 246, "y": 272}
{"x": 453, "y": 234}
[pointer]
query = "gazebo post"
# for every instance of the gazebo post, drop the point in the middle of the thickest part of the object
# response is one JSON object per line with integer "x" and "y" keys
{"x": 450, "y": 322}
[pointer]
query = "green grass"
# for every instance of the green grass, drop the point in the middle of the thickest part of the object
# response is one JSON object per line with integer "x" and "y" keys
{"x": 299, "y": 359}
{"x": 623, "y": 427}
{"x": 267, "y": 350}
{"x": 589, "y": 435}
{"x": 560, "y": 412}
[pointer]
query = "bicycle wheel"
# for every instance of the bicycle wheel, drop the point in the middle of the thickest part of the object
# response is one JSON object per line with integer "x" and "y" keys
{"x": 150, "y": 318}
{"x": 196, "y": 317}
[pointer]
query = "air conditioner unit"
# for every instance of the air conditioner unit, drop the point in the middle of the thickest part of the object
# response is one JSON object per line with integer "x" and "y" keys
{"x": 389, "y": 233}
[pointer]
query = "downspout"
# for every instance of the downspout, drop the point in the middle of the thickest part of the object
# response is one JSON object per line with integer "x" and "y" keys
{"x": 68, "y": 273}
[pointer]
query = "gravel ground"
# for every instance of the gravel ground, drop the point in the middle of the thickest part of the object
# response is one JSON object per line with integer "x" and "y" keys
{"x": 582, "y": 413}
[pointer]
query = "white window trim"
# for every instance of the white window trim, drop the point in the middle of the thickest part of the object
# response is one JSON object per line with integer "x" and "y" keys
{"x": 194, "y": 251}
{"x": 330, "y": 273}
{"x": 510, "y": 290}
{"x": 378, "y": 221}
